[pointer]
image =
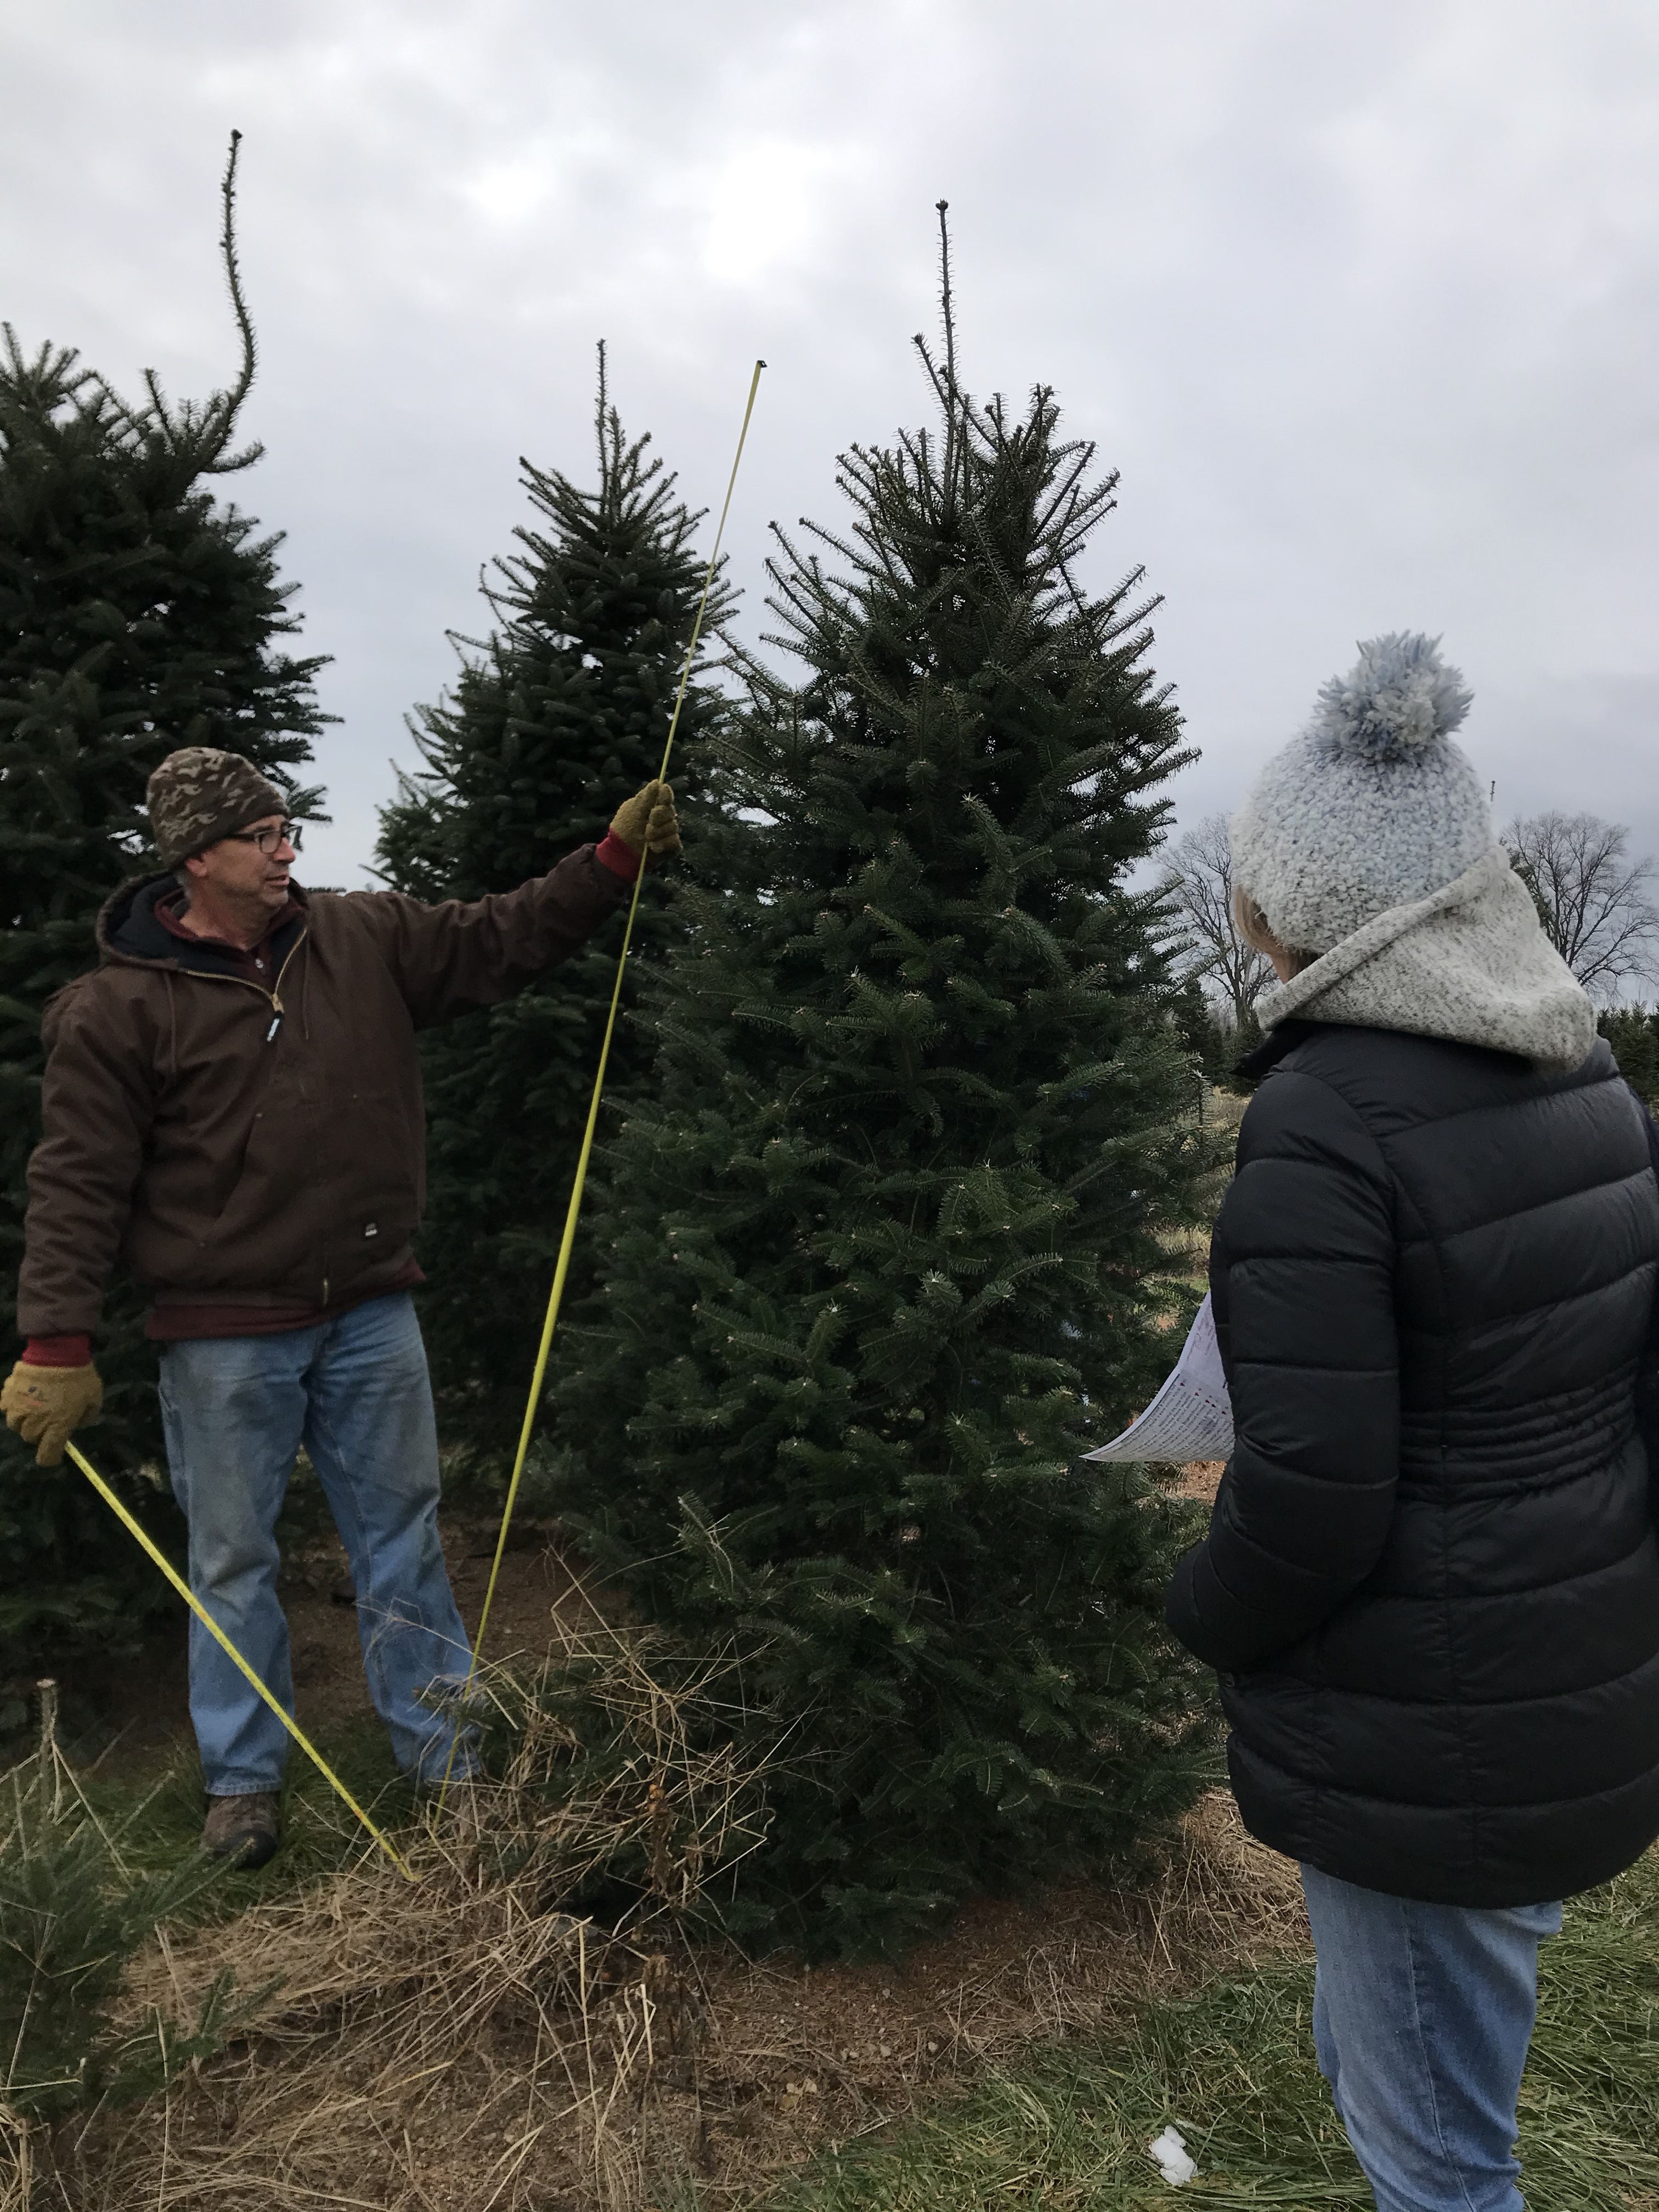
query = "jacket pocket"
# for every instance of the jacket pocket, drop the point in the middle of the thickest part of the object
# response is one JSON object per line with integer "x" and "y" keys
{"x": 377, "y": 1206}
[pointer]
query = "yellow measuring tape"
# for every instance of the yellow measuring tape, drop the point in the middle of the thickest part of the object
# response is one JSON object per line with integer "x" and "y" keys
{"x": 568, "y": 1241}
{"x": 225, "y": 1644}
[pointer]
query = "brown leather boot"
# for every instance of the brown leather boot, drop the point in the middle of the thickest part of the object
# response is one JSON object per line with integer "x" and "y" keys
{"x": 245, "y": 1829}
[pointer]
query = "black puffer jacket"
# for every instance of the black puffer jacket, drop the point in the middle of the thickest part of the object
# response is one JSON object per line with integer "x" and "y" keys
{"x": 1432, "y": 1579}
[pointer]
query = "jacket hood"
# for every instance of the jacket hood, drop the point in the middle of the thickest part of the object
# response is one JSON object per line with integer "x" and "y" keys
{"x": 1469, "y": 962}
{"x": 127, "y": 929}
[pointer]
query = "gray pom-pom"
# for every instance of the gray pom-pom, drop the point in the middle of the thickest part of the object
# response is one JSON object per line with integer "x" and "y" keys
{"x": 1399, "y": 696}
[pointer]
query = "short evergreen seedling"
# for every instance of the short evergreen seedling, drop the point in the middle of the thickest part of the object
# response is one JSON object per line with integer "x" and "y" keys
{"x": 73, "y": 1915}
{"x": 1633, "y": 1033}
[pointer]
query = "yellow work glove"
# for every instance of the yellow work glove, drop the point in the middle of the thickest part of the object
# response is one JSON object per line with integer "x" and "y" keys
{"x": 646, "y": 823}
{"x": 43, "y": 1404}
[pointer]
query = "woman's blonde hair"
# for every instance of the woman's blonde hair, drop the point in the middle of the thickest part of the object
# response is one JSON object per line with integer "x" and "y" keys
{"x": 1253, "y": 927}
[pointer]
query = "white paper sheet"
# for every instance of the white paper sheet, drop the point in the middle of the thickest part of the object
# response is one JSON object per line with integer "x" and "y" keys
{"x": 1192, "y": 1416}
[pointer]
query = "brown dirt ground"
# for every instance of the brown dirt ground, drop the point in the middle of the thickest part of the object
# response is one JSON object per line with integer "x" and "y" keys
{"x": 796, "y": 2059}
{"x": 143, "y": 1709}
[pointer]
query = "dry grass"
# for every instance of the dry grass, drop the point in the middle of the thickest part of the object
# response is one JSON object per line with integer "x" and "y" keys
{"x": 1199, "y": 1480}
{"x": 459, "y": 2046}
{"x": 466, "y": 2042}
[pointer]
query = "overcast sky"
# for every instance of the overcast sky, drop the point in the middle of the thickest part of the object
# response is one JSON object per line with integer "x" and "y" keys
{"x": 1361, "y": 301}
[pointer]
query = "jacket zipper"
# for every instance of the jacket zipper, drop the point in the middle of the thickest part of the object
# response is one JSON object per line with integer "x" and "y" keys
{"x": 277, "y": 987}
{"x": 273, "y": 994}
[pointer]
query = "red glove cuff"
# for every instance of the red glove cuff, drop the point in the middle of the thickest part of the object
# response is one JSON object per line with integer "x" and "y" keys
{"x": 58, "y": 1352}
{"x": 622, "y": 860}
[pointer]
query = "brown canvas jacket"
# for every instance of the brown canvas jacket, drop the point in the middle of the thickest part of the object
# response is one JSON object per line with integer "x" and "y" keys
{"x": 242, "y": 1146}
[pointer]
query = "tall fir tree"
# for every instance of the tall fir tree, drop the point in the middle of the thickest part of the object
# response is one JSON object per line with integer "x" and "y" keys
{"x": 881, "y": 1244}
{"x": 1633, "y": 1033}
{"x": 555, "y": 719}
{"x": 137, "y": 614}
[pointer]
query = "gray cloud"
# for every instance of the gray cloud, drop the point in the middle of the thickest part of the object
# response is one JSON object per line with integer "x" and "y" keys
{"x": 1363, "y": 303}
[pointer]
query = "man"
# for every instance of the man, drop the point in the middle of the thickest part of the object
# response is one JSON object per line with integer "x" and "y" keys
{"x": 233, "y": 1106}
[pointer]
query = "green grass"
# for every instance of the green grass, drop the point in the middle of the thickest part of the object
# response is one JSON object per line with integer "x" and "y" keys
{"x": 1233, "y": 2068}
{"x": 155, "y": 1824}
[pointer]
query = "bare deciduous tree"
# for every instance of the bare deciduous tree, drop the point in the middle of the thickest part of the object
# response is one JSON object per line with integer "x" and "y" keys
{"x": 1200, "y": 885}
{"x": 1595, "y": 901}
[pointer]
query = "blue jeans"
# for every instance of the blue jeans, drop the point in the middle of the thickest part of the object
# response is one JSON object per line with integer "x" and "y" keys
{"x": 236, "y": 1409}
{"x": 1422, "y": 2017}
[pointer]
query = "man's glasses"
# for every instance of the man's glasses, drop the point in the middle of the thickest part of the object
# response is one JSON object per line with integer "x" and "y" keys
{"x": 286, "y": 833}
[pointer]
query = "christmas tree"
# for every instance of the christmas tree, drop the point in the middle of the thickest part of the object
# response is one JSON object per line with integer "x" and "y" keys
{"x": 137, "y": 614}
{"x": 553, "y": 719}
{"x": 880, "y": 1248}
{"x": 1633, "y": 1033}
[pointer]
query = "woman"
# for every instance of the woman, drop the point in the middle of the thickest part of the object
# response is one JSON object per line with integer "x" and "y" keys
{"x": 1431, "y": 1581}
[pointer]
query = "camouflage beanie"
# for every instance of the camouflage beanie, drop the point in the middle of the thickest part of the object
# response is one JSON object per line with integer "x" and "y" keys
{"x": 199, "y": 795}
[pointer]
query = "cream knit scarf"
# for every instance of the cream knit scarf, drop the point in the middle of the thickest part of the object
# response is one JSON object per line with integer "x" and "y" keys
{"x": 1470, "y": 962}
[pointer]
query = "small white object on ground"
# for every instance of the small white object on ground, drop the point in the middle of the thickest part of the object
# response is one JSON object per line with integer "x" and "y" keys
{"x": 1170, "y": 2149}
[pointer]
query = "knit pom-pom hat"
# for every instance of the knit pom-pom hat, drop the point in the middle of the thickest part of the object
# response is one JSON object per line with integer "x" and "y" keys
{"x": 1372, "y": 806}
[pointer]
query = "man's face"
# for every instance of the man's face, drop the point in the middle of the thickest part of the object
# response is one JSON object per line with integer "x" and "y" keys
{"x": 235, "y": 868}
